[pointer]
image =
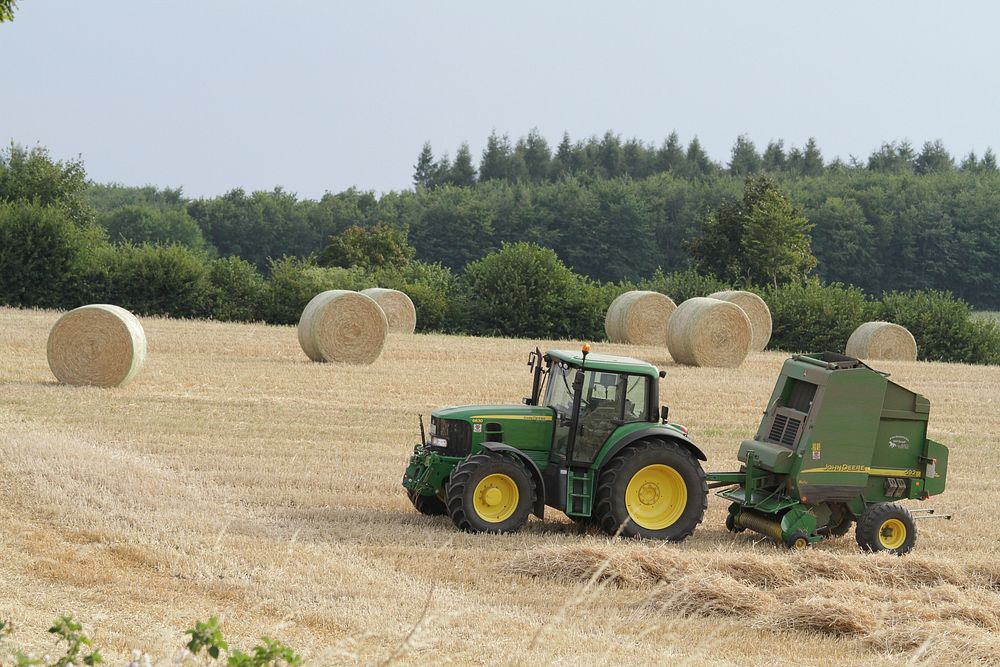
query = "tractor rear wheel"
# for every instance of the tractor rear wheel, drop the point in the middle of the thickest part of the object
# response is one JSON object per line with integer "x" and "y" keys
{"x": 490, "y": 493}
{"x": 886, "y": 527}
{"x": 429, "y": 505}
{"x": 654, "y": 489}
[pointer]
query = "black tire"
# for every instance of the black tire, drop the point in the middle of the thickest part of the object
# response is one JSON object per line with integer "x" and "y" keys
{"x": 731, "y": 524}
{"x": 465, "y": 480}
{"x": 611, "y": 509}
{"x": 797, "y": 541}
{"x": 879, "y": 529}
{"x": 429, "y": 505}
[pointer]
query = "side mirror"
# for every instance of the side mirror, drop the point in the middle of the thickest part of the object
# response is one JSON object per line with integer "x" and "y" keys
{"x": 664, "y": 413}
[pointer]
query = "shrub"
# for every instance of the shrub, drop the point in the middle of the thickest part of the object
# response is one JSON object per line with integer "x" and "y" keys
{"x": 294, "y": 282}
{"x": 682, "y": 285}
{"x": 812, "y": 317}
{"x": 152, "y": 280}
{"x": 525, "y": 290}
{"x": 239, "y": 290}
{"x": 144, "y": 224}
{"x": 42, "y": 255}
{"x": 943, "y": 327}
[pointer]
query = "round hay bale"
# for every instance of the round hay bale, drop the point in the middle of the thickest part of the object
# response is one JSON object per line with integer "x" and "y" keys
{"x": 343, "y": 326}
{"x": 756, "y": 309}
{"x": 709, "y": 332}
{"x": 639, "y": 317}
{"x": 882, "y": 340}
{"x": 98, "y": 345}
{"x": 398, "y": 308}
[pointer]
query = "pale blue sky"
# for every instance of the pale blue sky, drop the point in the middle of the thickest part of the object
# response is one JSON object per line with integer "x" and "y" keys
{"x": 318, "y": 96}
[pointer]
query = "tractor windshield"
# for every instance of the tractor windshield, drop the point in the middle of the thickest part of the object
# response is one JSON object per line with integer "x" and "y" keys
{"x": 559, "y": 392}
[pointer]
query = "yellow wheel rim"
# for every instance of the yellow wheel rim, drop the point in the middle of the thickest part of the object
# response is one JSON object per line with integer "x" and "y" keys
{"x": 800, "y": 543}
{"x": 656, "y": 497}
{"x": 892, "y": 534}
{"x": 495, "y": 498}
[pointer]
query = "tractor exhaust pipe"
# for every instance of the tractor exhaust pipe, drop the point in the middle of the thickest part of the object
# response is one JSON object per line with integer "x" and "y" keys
{"x": 759, "y": 523}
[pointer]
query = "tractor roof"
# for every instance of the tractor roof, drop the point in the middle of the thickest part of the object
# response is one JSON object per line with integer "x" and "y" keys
{"x": 605, "y": 362}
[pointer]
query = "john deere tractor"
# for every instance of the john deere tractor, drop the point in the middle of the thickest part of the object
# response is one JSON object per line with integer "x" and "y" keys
{"x": 839, "y": 443}
{"x": 590, "y": 441}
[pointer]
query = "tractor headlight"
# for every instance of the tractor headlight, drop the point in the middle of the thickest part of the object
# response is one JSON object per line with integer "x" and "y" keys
{"x": 438, "y": 442}
{"x": 434, "y": 427}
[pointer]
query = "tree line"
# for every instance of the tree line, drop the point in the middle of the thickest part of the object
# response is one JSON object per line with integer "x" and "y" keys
{"x": 64, "y": 243}
{"x": 878, "y": 230}
{"x": 531, "y": 159}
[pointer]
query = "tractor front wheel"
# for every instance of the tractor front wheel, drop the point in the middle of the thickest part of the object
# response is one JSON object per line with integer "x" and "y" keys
{"x": 490, "y": 493}
{"x": 429, "y": 505}
{"x": 654, "y": 489}
{"x": 886, "y": 527}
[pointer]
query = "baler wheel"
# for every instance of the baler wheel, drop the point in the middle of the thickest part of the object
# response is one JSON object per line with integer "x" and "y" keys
{"x": 654, "y": 489}
{"x": 429, "y": 505}
{"x": 797, "y": 541}
{"x": 731, "y": 524}
{"x": 886, "y": 527}
{"x": 490, "y": 493}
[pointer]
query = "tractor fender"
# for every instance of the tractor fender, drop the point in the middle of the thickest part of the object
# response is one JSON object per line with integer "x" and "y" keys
{"x": 661, "y": 433}
{"x": 536, "y": 474}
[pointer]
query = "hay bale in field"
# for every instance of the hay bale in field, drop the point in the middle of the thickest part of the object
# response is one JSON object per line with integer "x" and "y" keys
{"x": 343, "y": 326}
{"x": 756, "y": 309}
{"x": 882, "y": 340}
{"x": 709, "y": 332}
{"x": 639, "y": 317}
{"x": 98, "y": 345}
{"x": 397, "y": 306}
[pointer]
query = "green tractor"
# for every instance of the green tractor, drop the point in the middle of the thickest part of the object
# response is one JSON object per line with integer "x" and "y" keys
{"x": 593, "y": 442}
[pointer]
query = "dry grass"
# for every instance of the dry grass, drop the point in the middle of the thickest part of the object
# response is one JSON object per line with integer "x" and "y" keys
{"x": 236, "y": 477}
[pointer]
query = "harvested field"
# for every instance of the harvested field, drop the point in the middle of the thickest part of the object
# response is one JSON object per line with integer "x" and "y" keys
{"x": 234, "y": 476}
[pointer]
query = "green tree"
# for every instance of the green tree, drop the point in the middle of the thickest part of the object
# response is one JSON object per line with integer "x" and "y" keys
{"x": 812, "y": 159}
{"x": 670, "y": 156}
{"x": 562, "y": 163}
{"x": 495, "y": 163}
{"x": 609, "y": 155}
{"x": 759, "y": 240}
{"x": 7, "y": 10}
{"x": 893, "y": 157}
{"x": 522, "y": 290}
{"x": 697, "y": 160}
{"x": 745, "y": 159}
{"x": 32, "y": 175}
{"x": 988, "y": 164}
{"x": 376, "y": 247}
{"x": 537, "y": 156}
{"x": 423, "y": 170}
{"x": 462, "y": 173}
{"x": 144, "y": 224}
{"x": 933, "y": 157}
{"x": 43, "y": 255}
{"x": 773, "y": 160}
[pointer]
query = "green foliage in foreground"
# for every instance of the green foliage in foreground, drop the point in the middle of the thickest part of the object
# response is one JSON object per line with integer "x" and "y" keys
{"x": 207, "y": 645}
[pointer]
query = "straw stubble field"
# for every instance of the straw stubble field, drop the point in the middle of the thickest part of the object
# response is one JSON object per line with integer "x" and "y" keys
{"x": 236, "y": 477}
